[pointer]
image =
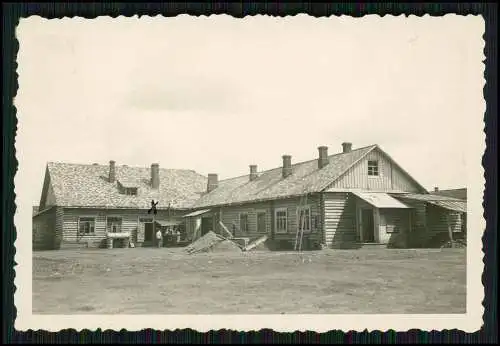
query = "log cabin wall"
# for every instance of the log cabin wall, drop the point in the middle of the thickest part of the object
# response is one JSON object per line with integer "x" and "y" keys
{"x": 291, "y": 205}
{"x": 130, "y": 222}
{"x": 339, "y": 210}
{"x": 233, "y": 217}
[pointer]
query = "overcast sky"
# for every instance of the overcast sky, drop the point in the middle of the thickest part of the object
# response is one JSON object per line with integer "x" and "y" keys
{"x": 217, "y": 94}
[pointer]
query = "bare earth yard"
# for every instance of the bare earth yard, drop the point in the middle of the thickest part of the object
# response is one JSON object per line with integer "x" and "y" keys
{"x": 167, "y": 281}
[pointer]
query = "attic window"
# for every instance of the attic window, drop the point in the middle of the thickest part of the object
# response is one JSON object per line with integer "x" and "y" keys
{"x": 373, "y": 168}
{"x": 130, "y": 191}
{"x": 127, "y": 188}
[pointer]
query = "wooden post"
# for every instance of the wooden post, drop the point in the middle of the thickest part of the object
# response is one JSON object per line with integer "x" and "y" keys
{"x": 450, "y": 231}
{"x": 154, "y": 229}
{"x": 409, "y": 238}
{"x": 376, "y": 225}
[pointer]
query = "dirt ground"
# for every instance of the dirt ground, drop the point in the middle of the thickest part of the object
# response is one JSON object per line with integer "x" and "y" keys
{"x": 167, "y": 281}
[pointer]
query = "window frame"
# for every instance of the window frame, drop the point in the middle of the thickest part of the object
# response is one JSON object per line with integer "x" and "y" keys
{"x": 373, "y": 167}
{"x": 114, "y": 218}
{"x": 131, "y": 191}
{"x": 89, "y": 219}
{"x": 276, "y": 218}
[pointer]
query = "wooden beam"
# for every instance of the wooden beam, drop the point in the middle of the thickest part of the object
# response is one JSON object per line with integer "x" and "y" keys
{"x": 225, "y": 229}
{"x": 450, "y": 231}
{"x": 255, "y": 243}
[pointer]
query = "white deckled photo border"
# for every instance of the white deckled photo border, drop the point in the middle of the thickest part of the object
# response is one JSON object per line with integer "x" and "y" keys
{"x": 471, "y": 321}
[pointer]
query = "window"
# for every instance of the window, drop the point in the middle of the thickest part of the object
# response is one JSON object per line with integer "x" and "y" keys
{"x": 304, "y": 219}
{"x": 281, "y": 220}
{"x": 261, "y": 222}
{"x": 131, "y": 191}
{"x": 372, "y": 168}
{"x": 86, "y": 225}
{"x": 315, "y": 223}
{"x": 114, "y": 224}
{"x": 244, "y": 222}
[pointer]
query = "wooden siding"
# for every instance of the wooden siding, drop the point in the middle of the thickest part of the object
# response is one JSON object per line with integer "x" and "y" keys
{"x": 439, "y": 218}
{"x": 44, "y": 225}
{"x": 193, "y": 227}
{"x": 129, "y": 223}
{"x": 339, "y": 219}
{"x": 59, "y": 229}
{"x": 429, "y": 221}
{"x": 390, "y": 178}
{"x": 418, "y": 233}
{"x": 230, "y": 217}
{"x": 394, "y": 227}
{"x": 291, "y": 206}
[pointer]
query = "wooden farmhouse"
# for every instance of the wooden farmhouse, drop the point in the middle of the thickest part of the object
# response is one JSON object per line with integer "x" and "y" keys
{"x": 358, "y": 197}
{"x": 89, "y": 205}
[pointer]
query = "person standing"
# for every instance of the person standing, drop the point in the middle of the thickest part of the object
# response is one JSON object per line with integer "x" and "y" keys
{"x": 159, "y": 237}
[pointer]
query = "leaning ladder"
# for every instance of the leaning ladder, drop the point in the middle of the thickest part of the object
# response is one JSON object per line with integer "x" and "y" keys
{"x": 301, "y": 224}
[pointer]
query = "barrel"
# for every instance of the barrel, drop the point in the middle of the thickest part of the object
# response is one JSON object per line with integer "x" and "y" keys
{"x": 109, "y": 243}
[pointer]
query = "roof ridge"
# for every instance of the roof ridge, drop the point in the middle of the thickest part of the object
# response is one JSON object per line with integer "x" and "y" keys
{"x": 299, "y": 163}
{"x": 103, "y": 165}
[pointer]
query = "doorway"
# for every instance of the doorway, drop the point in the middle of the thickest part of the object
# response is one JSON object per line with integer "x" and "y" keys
{"x": 206, "y": 225}
{"x": 148, "y": 232}
{"x": 368, "y": 227}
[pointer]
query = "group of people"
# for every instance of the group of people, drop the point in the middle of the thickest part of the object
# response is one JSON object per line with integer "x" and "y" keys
{"x": 173, "y": 233}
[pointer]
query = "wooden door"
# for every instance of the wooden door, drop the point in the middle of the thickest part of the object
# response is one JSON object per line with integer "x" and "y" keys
{"x": 368, "y": 225}
{"x": 148, "y": 232}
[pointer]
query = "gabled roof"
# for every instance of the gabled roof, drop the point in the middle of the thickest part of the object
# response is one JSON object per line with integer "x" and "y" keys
{"x": 306, "y": 178}
{"x": 80, "y": 185}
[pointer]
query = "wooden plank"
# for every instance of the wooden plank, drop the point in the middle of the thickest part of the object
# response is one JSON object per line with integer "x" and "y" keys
{"x": 450, "y": 231}
{"x": 225, "y": 229}
{"x": 255, "y": 243}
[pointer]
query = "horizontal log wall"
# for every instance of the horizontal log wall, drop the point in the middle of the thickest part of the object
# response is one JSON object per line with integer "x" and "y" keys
{"x": 291, "y": 205}
{"x": 230, "y": 217}
{"x": 340, "y": 219}
{"x": 129, "y": 223}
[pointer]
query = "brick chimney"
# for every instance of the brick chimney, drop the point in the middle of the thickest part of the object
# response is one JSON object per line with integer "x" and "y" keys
{"x": 323, "y": 156}
{"x": 213, "y": 182}
{"x": 253, "y": 172}
{"x": 287, "y": 166}
{"x": 112, "y": 171}
{"x": 155, "y": 175}
{"x": 436, "y": 189}
{"x": 346, "y": 147}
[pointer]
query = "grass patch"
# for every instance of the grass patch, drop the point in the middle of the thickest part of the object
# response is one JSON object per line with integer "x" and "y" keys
{"x": 167, "y": 281}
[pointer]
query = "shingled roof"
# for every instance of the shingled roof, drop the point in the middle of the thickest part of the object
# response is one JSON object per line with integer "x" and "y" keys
{"x": 306, "y": 178}
{"x": 456, "y": 193}
{"x": 80, "y": 185}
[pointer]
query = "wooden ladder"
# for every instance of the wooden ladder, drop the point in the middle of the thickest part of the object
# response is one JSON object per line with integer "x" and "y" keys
{"x": 301, "y": 223}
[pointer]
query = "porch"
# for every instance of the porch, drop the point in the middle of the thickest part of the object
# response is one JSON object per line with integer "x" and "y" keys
{"x": 381, "y": 220}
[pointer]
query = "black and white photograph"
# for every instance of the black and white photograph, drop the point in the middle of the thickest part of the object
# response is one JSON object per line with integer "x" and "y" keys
{"x": 214, "y": 172}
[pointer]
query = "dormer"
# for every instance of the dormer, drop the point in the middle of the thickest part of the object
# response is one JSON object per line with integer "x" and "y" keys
{"x": 127, "y": 188}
